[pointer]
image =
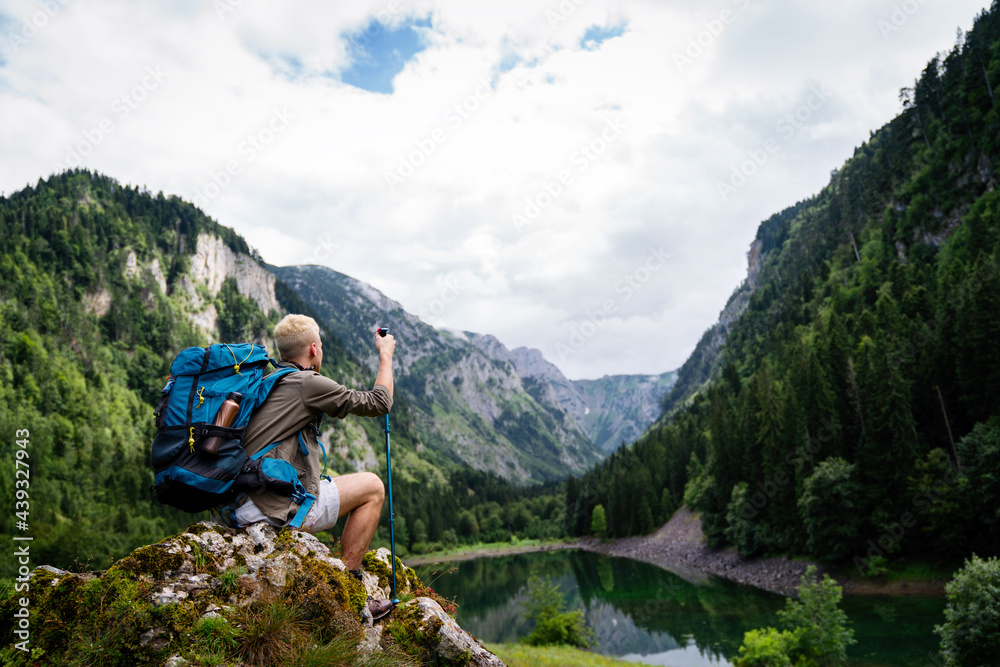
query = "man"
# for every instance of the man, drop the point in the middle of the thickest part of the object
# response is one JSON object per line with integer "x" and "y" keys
{"x": 295, "y": 406}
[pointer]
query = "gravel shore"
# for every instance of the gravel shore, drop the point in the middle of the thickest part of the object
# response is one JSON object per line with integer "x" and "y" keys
{"x": 680, "y": 546}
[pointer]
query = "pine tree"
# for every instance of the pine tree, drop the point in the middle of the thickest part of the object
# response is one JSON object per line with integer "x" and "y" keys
{"x": 599, "y": 522}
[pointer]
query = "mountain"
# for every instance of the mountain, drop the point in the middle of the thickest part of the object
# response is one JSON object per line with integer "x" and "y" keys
{"x": 605, "y": 412}
{"x": 611, "y": 410}
{"x": 465, "y": 404}
{"x": 846, "y": 406}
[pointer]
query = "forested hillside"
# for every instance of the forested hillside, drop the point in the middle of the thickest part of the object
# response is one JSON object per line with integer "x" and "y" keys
{"x": 85, "y": 337}
{"x": 869, "y": 344}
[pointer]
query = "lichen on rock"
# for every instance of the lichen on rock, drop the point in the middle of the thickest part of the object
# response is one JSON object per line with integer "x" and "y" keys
{"x": 212, "y": 595}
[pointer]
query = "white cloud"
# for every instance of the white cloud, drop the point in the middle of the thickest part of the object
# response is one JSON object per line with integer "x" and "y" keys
{"x": 478, "y": 154}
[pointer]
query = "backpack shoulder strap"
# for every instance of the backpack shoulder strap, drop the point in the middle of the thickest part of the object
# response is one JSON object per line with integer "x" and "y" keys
{"x": 268, "y": 383}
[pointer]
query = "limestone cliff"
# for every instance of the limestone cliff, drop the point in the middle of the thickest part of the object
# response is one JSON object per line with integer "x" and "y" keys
{"x": 212, "y": 262}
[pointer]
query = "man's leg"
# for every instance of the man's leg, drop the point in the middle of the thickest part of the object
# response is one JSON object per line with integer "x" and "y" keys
{"x": 361, "y": 496}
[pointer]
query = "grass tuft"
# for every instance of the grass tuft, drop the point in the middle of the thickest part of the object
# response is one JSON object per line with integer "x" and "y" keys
{"x": 343, "y": 651}
{"x": 271, "y": 631}
{"x": 214, "y": 635}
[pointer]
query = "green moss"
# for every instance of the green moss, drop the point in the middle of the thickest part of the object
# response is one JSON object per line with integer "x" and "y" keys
{"x": 94, "y": 620}
{"x": 418, "y": 638}
{"x": 284, "y": 538}
{"x": 331, "y": 582}
{"x": 153, "y": 560}
{"x": 330, "y": 600}
{"x": 204, "y": 561}
{"x": 199, "y": 528}
{"x": 101, "y": 618}
{"x": 410, "y": 634}
{"x": 406, "y": 578}
{"x": 374, "y": 566}
{"x": 55, "y": 604}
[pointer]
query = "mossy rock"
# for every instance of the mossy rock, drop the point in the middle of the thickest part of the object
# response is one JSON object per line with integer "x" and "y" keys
{"x": 422, "y": 630}
{"x": 408, "y": 631}
{"x": 176, "y": 598}
{"x": 150, "y": 561}
{"x": 407, "y": 580}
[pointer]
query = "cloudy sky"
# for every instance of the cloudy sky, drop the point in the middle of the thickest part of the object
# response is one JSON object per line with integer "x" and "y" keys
{"x": 579, "y": 176}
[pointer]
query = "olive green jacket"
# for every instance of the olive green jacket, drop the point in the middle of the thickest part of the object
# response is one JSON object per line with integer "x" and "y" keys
{"x": 299, "y": 400}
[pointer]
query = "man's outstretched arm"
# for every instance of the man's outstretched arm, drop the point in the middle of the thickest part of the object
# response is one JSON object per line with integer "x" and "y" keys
{"x": 385, "y": 345}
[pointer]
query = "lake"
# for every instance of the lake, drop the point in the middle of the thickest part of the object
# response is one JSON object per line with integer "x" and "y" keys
{"x": 645, "y": 613}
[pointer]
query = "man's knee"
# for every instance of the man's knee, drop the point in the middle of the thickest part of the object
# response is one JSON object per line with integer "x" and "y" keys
{"x": 376, "y": 488}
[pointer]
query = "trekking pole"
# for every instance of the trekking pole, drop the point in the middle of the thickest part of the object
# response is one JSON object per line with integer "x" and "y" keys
{"x": 392, "y": 521}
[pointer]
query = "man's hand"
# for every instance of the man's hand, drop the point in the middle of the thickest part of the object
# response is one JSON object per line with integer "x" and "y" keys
{"x": 385, "y": 345}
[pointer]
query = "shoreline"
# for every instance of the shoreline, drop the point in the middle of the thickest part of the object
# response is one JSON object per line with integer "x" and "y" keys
{"x": 489, "y": 551}
{"x": 678, "y": 546}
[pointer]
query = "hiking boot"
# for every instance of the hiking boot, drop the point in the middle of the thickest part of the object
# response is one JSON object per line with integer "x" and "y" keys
{"x": 379, "y": 608}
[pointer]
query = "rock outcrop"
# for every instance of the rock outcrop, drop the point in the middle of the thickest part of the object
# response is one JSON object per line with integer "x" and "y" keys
{"x": 213, "y": 262}
{"x": 218, "y": 596}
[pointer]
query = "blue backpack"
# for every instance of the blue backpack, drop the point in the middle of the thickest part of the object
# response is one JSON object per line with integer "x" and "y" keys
{"x": 188, "y": 478}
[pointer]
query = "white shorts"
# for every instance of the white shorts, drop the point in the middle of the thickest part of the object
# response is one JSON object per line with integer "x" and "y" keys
{"x": 321, "y": 516}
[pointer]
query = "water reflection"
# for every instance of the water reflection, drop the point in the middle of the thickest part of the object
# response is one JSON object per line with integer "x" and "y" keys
{"x": 643, "y": 612}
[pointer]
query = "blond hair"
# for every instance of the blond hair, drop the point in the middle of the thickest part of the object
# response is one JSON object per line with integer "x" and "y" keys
{"x": 293, "y": 334}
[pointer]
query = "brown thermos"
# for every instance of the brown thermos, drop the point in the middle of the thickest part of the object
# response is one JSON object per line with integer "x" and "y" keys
{"x": 224, "y": 417}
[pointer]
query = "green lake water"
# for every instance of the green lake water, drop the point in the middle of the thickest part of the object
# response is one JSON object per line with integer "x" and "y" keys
{"x": 644, "y": 613}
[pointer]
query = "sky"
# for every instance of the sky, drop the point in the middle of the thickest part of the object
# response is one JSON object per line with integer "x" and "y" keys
{"x": 584, "y": 177}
